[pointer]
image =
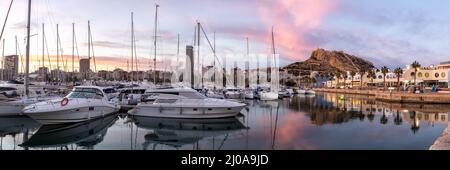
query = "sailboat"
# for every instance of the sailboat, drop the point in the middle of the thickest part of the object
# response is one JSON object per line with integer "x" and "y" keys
{"x": 273, "y": 93}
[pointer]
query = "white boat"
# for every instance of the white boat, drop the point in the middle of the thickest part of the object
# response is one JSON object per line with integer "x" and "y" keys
{"x": 249, "y": 94}
{"x": 186, "y": 103}
{"x": 301, "y": 91}
{"x": 264, "y": 95}
{"x": 82, "y": 104}
{"x": 233, "y": 93}
{"x": 215, "y": 95}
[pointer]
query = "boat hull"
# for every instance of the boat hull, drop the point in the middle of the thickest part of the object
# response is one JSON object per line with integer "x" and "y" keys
{"x": 72, "y": 115}
{"x": 268, "y": 96}
{"x": 186, "y": 112}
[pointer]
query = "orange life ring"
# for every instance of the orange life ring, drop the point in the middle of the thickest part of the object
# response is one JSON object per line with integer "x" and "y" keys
{"x": 64, "y": 101}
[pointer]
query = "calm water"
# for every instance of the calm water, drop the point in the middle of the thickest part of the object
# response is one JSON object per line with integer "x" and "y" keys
{"x": 326, "y": 121}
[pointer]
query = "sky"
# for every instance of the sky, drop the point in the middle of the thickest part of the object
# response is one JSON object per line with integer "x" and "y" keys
{"x": 386, "y": 32}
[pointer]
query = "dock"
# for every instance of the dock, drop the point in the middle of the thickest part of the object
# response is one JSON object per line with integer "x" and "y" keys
{"x": 443, "y": 141}
{"x": 396, "y": 96}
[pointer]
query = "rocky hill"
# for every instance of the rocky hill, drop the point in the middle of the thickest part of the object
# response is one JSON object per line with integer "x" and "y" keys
{"x": 327, "y": 62}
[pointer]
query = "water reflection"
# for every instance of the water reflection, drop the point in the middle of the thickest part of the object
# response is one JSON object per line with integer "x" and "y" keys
{"x": 337, "y": 109}
{"x": 16, "y": 126}
{"x": 177, "y": 133}
{"x": 85, "y": 134}
{"x": 324, "y": 121}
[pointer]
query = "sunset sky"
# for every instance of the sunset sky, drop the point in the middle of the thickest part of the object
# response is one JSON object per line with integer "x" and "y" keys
{"x": 386, "y": 32}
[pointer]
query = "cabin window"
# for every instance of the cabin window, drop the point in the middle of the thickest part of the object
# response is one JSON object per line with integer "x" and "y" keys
{"x": 91, "y": 108}
{"x": 209, "y": 109}
{"x": 195, "y": 109}
{"x": 228, "y": 108}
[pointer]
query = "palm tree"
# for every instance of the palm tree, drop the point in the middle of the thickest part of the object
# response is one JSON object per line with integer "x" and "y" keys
{"x": 416, "y": 65}
{"x": 362, "y": 71}
{"x": 352, "y": 74}
{"x": 345, "y": 76}
{"x": 384, "y": 70}
{"x": 398, "y": 71}
{"x": 338, "y": 76}
{"x": 371, "y": 74}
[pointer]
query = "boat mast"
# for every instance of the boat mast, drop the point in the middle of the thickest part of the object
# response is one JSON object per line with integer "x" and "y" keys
{"x": 247, "y": 67}
{"x": 73, "y": 53}
{"x": 43, "y": 45}
{"x": 89, "y": 47}
{"x": 6, "y": 19}
{"x": 214, "y": 67}
{"x": 132, "y": 47}
{"x": 274, "y": 59}
{"x": 3, "y": 57}
{"x": 178, "y": 58}
{"x": 27, "y": 60}
{"x": 57, "y": 52}
{"x": 198, "y": 50}
{"x": 154, "y": 54}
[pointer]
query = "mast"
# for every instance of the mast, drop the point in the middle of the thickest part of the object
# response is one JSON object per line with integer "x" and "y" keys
{"x": 6, "y": 19}
{"x": 154, "y": 55}
{"x": 57, "y": 51}
{"x": 274, "y": 60}
{"x": 27, "y": 60}
{"x": 178, "y": 58}
{"x": 43, "y": 45}
{"x": 132, "y": 46}
{"x": 247, "y": 67}
{"x": 198, "y": 51}
{"x": 73, "y": 52}
{"x": 3, "y": 57}
{"x": 89, "y": 47}
{"x": 214, "y": 63}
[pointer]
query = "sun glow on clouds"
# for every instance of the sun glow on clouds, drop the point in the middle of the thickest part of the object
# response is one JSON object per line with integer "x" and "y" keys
{"x": 292, "y": 21}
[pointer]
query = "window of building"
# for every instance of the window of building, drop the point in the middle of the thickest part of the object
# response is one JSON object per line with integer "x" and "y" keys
{"x": 436, "y": 75}
{"x": 419, "y": 75}
{"x": 443, "y": 75}
{"x": 427, "y": 75}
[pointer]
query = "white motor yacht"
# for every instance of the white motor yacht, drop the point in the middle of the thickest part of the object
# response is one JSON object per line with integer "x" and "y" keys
{"x": 249, "y": 94}
{"x": 301, "y": 91}
{"x": 268, "y": 95}
{"x": 214, "y": 94}
{"x": 83, "y": 103}
{"x": 186, "y": 103}
{"x": 233, "y": 93}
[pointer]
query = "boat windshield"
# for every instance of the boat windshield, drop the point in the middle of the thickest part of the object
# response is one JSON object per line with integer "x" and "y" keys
{"x": 86, "y": 93}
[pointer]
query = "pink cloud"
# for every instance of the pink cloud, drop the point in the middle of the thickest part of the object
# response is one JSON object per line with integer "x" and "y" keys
{"x": 293, "y": 20}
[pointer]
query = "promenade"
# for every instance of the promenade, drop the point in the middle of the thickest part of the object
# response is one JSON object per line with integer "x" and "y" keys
{"x": 396, "y": 96}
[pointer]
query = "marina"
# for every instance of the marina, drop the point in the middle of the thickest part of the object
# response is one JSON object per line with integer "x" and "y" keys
{"x": 188, "y": 83}
{"x": 325, "y": 121}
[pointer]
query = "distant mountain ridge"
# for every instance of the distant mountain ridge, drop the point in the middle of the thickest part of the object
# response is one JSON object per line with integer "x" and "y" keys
{"x": 328, "y": 62}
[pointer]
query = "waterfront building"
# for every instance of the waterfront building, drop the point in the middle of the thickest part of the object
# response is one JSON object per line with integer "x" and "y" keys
{"x": 426, "y": 76}
{"x": 11, "y": 67}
